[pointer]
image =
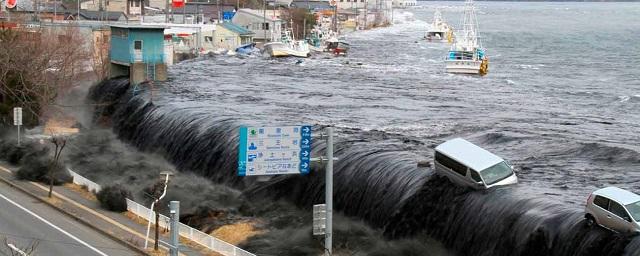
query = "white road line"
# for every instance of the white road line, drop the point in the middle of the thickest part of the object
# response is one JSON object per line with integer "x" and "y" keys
{"x": 14, "y": 248}
{"x": 54, "y": 226}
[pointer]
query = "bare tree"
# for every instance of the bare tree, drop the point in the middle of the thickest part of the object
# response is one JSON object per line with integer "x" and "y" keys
{"x": 36, "y": 66}
{"x": 59, "y": 141}
{"x": 15, "y": 250}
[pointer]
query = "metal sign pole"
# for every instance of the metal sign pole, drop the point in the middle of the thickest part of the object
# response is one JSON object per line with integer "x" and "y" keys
{"x": 17, "y": 120}
{"x": 329, "y": 193}
{"x": 174, "y": 210}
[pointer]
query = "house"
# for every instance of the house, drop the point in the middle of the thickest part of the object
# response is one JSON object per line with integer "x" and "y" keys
{"x": 139, "y": 52}
{"x": 230, "y": 36}
{"x": 314, "y": 5}
{"x": 102, "y": 15}
{"x": 131, "y": 8}
{"x": 264, "y": 24}
{"x": 196, "y": 12}
{"x": 46, "y": 10}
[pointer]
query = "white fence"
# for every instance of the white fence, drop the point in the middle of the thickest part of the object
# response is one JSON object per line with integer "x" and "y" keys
{"x": 190, "y": 233}
{"x": 82, "y": 181}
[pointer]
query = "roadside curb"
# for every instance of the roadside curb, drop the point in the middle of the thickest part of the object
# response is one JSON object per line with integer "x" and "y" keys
{"x": 81, "y": 220}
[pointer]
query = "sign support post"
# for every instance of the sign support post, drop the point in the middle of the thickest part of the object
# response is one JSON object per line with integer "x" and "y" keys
{"x": 17, "y": 120}
{"x": 328, "y": 194}
{"x": 174, "y": 211}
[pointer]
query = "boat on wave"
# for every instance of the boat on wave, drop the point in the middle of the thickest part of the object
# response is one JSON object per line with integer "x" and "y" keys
{"x": 287, "y": 46}
{"x": 467, "y": 56}
{"x": 439, "y": 30}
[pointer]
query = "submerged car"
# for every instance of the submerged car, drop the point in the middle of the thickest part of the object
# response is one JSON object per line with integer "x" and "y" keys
{"x": 468, "y": 165}
{"x": 615, "y": 209}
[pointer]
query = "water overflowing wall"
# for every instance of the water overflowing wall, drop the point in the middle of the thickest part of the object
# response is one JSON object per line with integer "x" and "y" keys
{"x": 382, "y": 186}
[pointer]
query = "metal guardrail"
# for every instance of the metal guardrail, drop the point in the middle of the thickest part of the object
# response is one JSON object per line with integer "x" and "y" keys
{"x": 82, "y": 181}
{"x": 190, "y": 233}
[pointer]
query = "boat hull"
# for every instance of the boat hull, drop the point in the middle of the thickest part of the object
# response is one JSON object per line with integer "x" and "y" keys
{"x": 279, "y": 49}
{"x": 463, "y": 66}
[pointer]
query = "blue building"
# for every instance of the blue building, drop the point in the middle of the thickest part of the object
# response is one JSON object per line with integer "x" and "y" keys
{"x": 138, "y": 51}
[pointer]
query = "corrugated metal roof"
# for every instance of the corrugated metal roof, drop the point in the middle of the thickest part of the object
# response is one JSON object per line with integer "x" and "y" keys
{"x": 236, "y": 28}
{"x": 469, "y": 154}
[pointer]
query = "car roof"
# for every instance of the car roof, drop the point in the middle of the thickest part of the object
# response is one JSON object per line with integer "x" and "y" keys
{"x": 619, "y": 195}
{"x": 468, "y": 154}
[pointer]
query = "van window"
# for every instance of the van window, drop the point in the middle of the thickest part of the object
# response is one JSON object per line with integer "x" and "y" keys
{"x": 634, "y": 209}
{"x": 451, "y": 164}
{"x": 617, "y": 209}
{"x": 496, "y": 173}
{"x": 475, "y": 176}
{"x": 602, "y": 202}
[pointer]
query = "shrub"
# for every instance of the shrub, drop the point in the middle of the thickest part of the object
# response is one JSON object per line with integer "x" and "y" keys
{"x": 36, "y": 168}
{"x": 113, "y": 198}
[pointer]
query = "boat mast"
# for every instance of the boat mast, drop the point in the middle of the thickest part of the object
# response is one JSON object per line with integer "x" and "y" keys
{"x": 470, "y": 26}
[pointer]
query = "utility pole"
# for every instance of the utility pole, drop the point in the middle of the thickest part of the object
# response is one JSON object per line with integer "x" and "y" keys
{"x": 328, "y": 194}
{"x": 174, "y": 214}
{"x": 166, "y": 11}
{"x": 264, "y": 19}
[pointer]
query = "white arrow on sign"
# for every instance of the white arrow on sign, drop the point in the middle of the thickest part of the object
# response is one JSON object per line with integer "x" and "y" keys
{"x": 306, "y": 129}
{"x": 304, "y": 165}
{"x": 305, "y": 153}
{"x": 305, "y": 141}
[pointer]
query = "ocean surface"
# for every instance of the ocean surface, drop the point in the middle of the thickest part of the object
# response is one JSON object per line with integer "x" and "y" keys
{"x": 561, "y": 100}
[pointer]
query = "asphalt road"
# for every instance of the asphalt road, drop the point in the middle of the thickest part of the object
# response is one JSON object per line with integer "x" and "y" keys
{"x": 24, "y": 221}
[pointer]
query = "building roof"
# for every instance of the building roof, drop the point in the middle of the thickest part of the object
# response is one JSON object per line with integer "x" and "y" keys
{"x": 469, "y": 154}
{"x": 137, "y": 26}
{"x": 260, "y": 14}
{"x": 209, "y": 10}
{"x": 311, "y": 5}
{"x": 619, "y": 195}
{"x": 27, "y": 6}
{"x": 237, "y": 29}
{"x": 101, "y": 15}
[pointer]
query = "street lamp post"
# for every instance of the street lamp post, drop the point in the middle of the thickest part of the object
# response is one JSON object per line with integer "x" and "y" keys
{"x": 166, "y": 175}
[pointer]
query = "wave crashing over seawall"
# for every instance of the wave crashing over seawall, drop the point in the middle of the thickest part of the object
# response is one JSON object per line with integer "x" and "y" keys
{"x": 382, "y": 186}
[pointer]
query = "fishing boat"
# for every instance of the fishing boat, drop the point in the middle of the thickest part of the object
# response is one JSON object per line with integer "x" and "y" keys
{"x": 439, "y": 29}
{"x": 246, "y": 49}
{"x": 287, "y": 46}
{"x": 337, "y": 46}
{"x": 466, "y": 55}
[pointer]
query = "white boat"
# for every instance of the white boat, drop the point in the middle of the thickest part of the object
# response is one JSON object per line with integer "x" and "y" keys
{"x": 439, "y": 29}
{"x": 466, "y": 55}
{"x": 287, "y": 46}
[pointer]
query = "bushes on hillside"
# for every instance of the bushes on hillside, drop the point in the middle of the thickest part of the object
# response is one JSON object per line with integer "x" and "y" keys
{"x": 113, "y": 198}
{"x": 36, "y": 168}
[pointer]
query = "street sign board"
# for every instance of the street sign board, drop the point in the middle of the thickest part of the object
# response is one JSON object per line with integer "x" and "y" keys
{"x": 319, "y": 219}
{"x": 274, "y": 150}
{"x": 17, "y": 116}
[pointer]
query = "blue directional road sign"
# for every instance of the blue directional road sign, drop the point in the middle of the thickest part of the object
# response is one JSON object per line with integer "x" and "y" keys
{"x": 274, "y": 150}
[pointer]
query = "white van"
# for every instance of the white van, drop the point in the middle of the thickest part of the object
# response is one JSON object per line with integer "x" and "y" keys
{"x": 614, "y": 208}
{"x": 466, "y": 164}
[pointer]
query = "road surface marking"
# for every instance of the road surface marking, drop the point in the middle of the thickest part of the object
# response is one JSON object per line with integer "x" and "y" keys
{"x": 14, "y": 248}
{"x": 97, "y": 214}
{"x": 53, "y": 226}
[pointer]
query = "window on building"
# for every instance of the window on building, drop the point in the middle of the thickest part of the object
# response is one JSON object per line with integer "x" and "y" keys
{"x": 137, "y": 3}
{"x": 137, "y": 45}
{"x": 208, "y": 39}
{"x": 265, "y": 26}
